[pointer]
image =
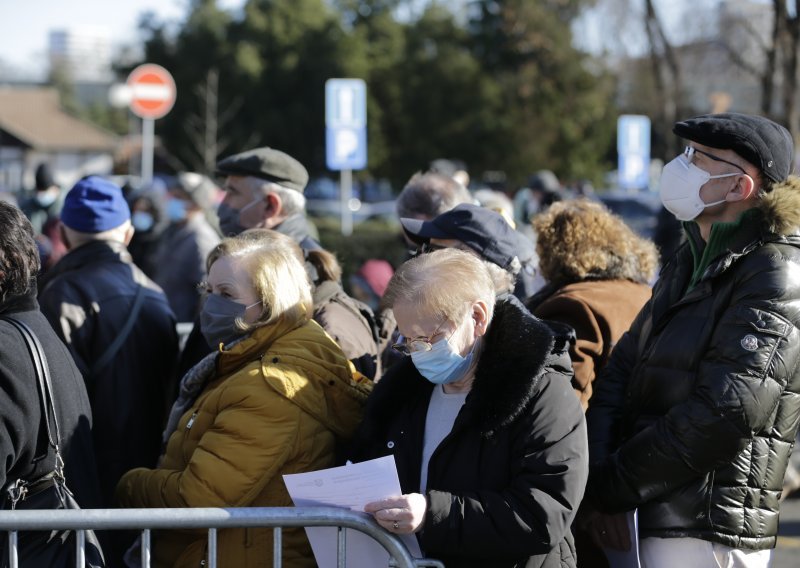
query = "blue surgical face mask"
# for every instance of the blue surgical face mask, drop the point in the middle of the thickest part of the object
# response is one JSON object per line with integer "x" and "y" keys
{"x": 442, "y": 364}
{"x": 142, "y": 221}
{"x": 46, "y": 198}
{"x": 218, "y": 319}
{"x": 176, "y": 210}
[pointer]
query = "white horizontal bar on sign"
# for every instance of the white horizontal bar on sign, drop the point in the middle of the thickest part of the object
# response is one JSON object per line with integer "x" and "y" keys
{"x": 151, "y": 92}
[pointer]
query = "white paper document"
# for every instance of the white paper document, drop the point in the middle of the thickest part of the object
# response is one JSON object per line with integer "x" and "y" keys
{"x": 627, "y": 558}
{"x": 349, "y": 487}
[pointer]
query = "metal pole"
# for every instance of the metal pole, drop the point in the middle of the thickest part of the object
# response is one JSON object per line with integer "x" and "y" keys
{"x": 346, "y": 191}
{"x": 148, "y": 135}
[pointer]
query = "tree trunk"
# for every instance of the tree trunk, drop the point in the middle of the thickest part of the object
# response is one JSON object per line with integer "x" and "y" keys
{"x": 666, "y": 72}
{"x": 788, "y": 29}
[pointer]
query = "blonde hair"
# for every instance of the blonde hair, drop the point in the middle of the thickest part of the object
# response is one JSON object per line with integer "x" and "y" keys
{"x": 581, "y": 240}
{"x": 444, "y": 283}
{"x": 274, "y": 263}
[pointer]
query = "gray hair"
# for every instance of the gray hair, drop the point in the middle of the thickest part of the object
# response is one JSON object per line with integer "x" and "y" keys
{"x": 292, "y": 201}
{"x": 443, "y": 283}
{"x": 429, "y": 195}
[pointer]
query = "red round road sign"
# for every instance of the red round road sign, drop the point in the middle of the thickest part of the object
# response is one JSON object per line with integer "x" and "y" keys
{"x": 152, "y": 91}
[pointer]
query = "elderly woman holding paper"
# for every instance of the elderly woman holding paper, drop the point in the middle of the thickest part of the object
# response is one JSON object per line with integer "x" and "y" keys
{"x": 270, "y": 401}
{"x": 488, "y": 437}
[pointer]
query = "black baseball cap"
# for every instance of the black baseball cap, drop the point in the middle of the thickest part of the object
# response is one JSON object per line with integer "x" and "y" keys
{"x": 762, "y": 142}
{"x": 483, "y": 230}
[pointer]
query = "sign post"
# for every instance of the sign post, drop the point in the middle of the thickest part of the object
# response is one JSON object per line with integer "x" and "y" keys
{"x": 152, "y": 94}
{"x": 346, "y": 137}
{"x": 633, "y": 149}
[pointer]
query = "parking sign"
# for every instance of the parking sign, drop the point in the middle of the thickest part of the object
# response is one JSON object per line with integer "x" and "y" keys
{"x": 346, "y": 124}
{"x": 633, "y": 149}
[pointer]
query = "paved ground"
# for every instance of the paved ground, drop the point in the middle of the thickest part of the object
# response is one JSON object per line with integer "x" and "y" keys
{"x": 787, "y": 553}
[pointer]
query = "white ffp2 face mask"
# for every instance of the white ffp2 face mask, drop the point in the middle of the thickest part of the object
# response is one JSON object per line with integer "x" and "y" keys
{"x": 680, "y": 188}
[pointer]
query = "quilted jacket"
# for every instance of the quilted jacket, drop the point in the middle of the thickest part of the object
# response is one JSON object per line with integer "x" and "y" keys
{"x": 695, "y": 416}
{"x": 278, "y": 402}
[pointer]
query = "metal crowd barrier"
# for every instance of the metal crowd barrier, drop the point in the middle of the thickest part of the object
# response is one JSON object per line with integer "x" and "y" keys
{"x": 211, "y": 519}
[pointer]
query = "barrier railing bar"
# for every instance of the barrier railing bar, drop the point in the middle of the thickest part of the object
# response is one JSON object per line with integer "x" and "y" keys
{"x": 341, "y": 551}
{"x": 146, "y": 548}
{"x": 80, "y": 547}
{"x": 277, "y": 547}
{"x": 212, "y": 548}
{"x": 203, "y": 518}
{"x": 12, "y": 549}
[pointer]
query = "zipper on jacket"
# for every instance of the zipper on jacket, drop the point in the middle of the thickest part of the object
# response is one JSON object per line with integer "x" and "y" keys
{"x": 191, "y": 421}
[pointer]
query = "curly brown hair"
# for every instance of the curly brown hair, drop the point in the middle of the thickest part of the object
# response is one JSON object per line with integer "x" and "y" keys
{"x": 581, "y": 240}
{"x": 19, "y": 256}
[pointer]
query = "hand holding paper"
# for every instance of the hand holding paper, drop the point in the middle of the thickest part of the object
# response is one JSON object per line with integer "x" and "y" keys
{"x": 351, "y": 487}
{"x": 401, "y": 515}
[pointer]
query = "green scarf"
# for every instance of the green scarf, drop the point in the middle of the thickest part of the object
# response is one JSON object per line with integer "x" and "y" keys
{"x": 719, "y": 241}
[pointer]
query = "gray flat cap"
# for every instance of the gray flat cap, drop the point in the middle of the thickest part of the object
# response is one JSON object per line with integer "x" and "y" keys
{"x": 266, "y": 163}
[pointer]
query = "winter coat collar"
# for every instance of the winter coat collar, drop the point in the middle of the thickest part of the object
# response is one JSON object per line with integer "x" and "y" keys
{"x": 517, "y": 350}
{"x": 779, "y": 222}
{"x": 22, "y": 303}
{"x": 295, "y": 226}
{"x": 93, "y": 252}
{"x": 303, "y": 364}
{"x": 781, "y": 207}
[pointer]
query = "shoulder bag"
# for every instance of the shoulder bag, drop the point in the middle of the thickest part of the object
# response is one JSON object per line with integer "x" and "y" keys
{"x": 56, "y": 548}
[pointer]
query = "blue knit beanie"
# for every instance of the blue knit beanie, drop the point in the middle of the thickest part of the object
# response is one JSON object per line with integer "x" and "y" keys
{"x": 94, "y": 205}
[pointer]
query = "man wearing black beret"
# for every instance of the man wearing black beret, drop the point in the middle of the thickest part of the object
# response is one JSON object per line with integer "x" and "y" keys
{"x": 692, "y": 421}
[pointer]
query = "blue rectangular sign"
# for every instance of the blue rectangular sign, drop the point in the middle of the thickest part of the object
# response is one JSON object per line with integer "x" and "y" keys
{"x": 633, "y": 149}
{"x": 345, "y": 103}
{"x": 346, "y": 148}
{"x": 346, "y": 124}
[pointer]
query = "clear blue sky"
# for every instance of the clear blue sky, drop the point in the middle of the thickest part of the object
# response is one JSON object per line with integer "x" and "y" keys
{"x": 25, "y": 24}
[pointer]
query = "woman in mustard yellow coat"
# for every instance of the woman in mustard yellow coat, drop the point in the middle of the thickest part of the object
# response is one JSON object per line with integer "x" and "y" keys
{"x": 271, "y": 401}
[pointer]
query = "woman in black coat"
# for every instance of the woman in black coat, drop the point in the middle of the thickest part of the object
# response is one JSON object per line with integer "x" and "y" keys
{"x": 488, "y": 437}
{"x": 22, "y": 441}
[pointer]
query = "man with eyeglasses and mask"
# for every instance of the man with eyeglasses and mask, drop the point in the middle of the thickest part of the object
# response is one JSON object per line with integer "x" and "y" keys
{"x": 694, "y": 417}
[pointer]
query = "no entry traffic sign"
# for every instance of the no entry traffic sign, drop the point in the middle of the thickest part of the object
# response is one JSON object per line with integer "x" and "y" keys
{"x": 152, "y": 91}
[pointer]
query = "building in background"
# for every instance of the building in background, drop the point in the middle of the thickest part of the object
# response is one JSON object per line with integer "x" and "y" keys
{"x": 85, "y": 54}
{"x": 35, "y": 129}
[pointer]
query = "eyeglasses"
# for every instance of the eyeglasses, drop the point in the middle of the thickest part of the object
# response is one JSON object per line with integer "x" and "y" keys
{"x": 407, "y": 346}
{"x": 690, "y": 151}
{"x": 427, "y": 247}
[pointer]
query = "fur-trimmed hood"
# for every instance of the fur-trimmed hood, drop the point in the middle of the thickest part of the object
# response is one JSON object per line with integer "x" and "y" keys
{"x": 518, "y": 350}
{"x": 781, "y": 207}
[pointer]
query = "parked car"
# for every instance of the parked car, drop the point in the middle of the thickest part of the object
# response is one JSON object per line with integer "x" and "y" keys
{"x": 370, "y": 199}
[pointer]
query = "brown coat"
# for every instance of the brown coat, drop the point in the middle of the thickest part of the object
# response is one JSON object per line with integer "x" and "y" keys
{"x": 600, "y": 311}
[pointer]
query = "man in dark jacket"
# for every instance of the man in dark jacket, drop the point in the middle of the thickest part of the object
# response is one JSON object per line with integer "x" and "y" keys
{"x": 489, "y": 441}
{"x": 118, "y": 327}
{"x": 24, "y": 450}
{"x": 694, "y": 418}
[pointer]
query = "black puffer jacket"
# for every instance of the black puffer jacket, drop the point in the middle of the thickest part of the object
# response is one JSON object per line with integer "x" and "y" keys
{"x": 695, "y": 416}
{"x": 505, "y": 484}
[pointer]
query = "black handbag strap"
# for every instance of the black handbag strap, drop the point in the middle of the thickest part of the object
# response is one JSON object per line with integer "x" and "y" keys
{"x": 42, "y": 371}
